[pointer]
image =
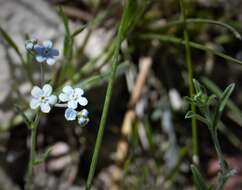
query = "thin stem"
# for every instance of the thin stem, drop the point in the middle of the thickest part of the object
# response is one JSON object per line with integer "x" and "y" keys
{"x": 42, "y": 74}
{"x": 61, "y": 105}
{"x": 174, "y": 40}
{"x": 219, "y": 151}
{"x": 223, "y": 166}
{"x": 190, "y": 82}
{"x": 104, "y": 116}
{"x": 34, "y": 126}
{"x": 203, "y": 21}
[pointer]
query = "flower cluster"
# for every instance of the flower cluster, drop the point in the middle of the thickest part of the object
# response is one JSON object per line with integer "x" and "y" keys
{"x": 82, "y": 116}
{"x": 70, "y": 98}
{"x": 43, "y": 52}
{"x": 73, "y": 97}
{"x": 43, "y": 98}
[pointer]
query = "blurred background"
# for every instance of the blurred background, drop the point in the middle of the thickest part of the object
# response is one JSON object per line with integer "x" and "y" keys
{"x": 147, "y": 141}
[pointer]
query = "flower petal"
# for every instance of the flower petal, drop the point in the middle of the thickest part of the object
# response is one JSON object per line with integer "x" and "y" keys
{"x": 52, "y": 99}
{"x": 72, "y": 104}
{"x": 40, "y": 58}
{"x": 70, "y": 114}
{"x": 47, "y": 44}
{"x": 54, "y": 52}
{"x": 36, "y": 92}
{"x": 34, "y": 103}
{"x": 82, "y": 101}
{"x": 45, "y": 107}
{"x": 78, "y": 91}
{"x": 47, "y": 89}
{"x": 64, "y": 97}
{"x": 50, "y": 61}
{"x": 68, "y": 90}
{"x": 39, "y": 49}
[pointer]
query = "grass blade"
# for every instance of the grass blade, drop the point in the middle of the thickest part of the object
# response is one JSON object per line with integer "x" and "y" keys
{"x": 170, "y": 39}
{"x": 198, "y": 179}
{"x": 78, "y": 31}
{"x": 67, "y": 67}
{"x": 11, "y": 42}
{"x": 127, "y": 23}
{"x": 24, "y": 116}
{"x": 205, "y": 21}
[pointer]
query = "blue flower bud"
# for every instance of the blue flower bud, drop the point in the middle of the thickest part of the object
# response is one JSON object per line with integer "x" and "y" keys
{"x": 83, "y": 121}
{"x": 84, "y": 113}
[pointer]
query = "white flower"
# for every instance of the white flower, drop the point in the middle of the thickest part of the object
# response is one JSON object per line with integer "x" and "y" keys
{"x": 73, "y": 97}
{"x": 70, "y": 114}
{"x": 42, "y": 98}
{"x": 29, "y": 44}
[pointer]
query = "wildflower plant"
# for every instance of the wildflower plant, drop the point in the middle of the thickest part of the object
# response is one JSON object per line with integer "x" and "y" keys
{"x": 44, "y": 99}
{"x": 211, "y": 108}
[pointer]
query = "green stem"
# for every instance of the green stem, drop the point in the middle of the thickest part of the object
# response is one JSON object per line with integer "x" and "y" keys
{"x": 202, "y": 21}
{"x": 219, "y": 151}
{"x": 190, "y": 83}
{"x": 34, "y": 126}
{"x": 42, "y": 74}
{"x": 223, "y": 166}
{"x": 104, "y": 115}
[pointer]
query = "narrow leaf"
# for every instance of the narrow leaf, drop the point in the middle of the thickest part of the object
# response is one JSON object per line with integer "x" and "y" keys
{"x": 191, "y": 114}
{"x": 65, "y": 20}
{"x": 225, "y": 97}
{"x": 25, "y": 118}
{"x": 198, "y": 179}
{"x": 43, "y": 157}
{"x": 10, "y": 42}
{"x": 78, "y": 31}
{"x": 236, "y": 114}
{"x": 197, "y": 85}
{"x": 67, "y": 39}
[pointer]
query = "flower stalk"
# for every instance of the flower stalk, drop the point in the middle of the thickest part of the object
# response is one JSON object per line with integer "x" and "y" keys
{"x": 188, "y": 60}
{"x": 34, "y": 126}
{"x": 42, "y": 75}
{"x": 104, "y": 116}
